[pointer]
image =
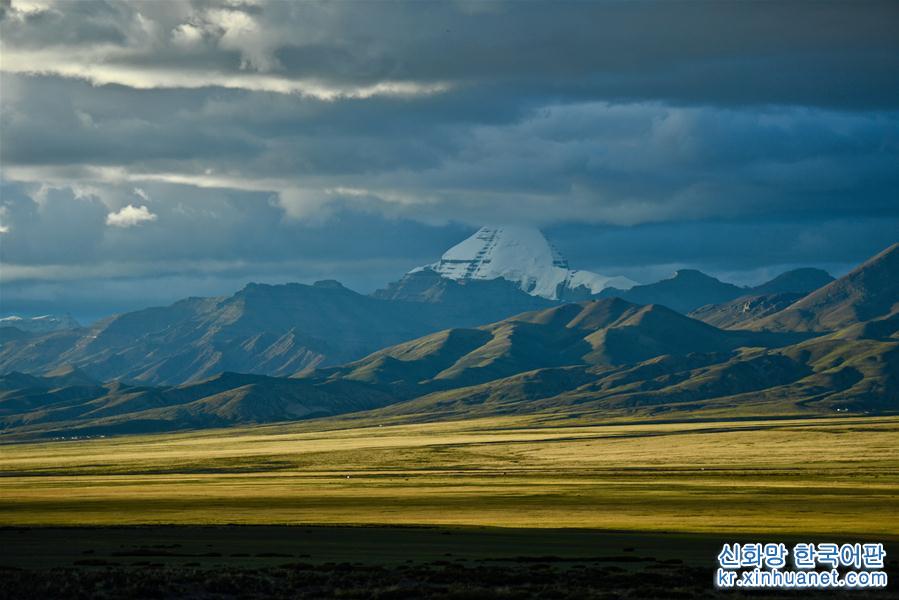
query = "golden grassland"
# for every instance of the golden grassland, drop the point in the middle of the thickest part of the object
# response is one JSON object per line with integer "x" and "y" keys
{"x": 811, "y": 476}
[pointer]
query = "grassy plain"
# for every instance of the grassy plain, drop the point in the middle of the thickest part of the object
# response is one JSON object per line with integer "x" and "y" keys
{"x": 815, "y": 476}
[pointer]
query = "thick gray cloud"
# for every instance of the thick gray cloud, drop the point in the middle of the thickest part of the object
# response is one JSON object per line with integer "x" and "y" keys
{"x": 175, "y": 148}
{"x": 813, "y": 53}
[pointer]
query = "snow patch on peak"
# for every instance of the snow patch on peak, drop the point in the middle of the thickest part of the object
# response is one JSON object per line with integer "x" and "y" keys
{"x": 522, "y": 255}
{"x": 40, "y": 324}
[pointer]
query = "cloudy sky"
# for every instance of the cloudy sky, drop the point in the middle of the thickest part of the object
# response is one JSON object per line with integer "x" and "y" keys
{"x": 161, "y": 149}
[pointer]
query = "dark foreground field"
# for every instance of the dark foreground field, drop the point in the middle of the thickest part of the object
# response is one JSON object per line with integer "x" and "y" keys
{"x": 366, "y": 562}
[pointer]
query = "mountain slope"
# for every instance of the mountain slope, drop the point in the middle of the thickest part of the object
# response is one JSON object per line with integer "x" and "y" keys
{"x": 869, "y": 291}
{"x": 744, "y": 309}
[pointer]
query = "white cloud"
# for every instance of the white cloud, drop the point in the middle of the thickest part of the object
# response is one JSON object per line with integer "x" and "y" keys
{"x": 242, "y": 32}
{"x": 100, "y": 69}
{"x": 140, "y": 193}
{"x": 30, "y": 7}
{"x": 187, "y": 35}
{"x": 129, "y": 216}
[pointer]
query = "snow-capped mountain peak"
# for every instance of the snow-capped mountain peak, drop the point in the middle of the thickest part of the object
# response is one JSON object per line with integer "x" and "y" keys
{"x": 522, "y": 255}
{"x": 41, "y": 324}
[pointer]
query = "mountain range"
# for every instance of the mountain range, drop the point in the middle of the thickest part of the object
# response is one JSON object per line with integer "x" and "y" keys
{"x": 280, "y": 330}
{"x": 265, "y": 329}
{"x": 834, "y": 350}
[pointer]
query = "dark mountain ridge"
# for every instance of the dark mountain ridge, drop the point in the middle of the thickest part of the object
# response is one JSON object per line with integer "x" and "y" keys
{"x": 690, "y": 289}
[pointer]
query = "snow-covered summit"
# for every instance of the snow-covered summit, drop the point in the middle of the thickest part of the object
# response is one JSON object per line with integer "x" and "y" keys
{"x": 42, "y": 324}
{"x": 522, "y": 255}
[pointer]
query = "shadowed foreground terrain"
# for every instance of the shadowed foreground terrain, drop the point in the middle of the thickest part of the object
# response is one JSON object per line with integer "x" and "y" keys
{"x": 365, "y": 562}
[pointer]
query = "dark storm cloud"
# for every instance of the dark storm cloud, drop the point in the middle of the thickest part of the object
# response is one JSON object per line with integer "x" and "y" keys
{"x": 149, "y": 145}
{"x": 836, "y": 54}
{"x": 601, "y": 162}
{"x": 737, "y": 251}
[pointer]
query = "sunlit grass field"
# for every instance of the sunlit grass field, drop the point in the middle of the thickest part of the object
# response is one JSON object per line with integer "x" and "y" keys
{"x": 813, "y": 476}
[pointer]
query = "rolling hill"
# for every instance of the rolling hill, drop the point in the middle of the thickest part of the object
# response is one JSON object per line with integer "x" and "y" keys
{"x": 82, "y": 408}
{"x": 594, "y": 333}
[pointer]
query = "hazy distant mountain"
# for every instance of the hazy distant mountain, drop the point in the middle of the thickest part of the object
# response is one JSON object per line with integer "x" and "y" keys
{"x": 687, "y": 290}
{"x": 868, "y": 292}
{"x": 276, "y": 330}
{"x": 523, "y": 256}
{"x": 42, "y": 324}
{"x": 264, "y": 329}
